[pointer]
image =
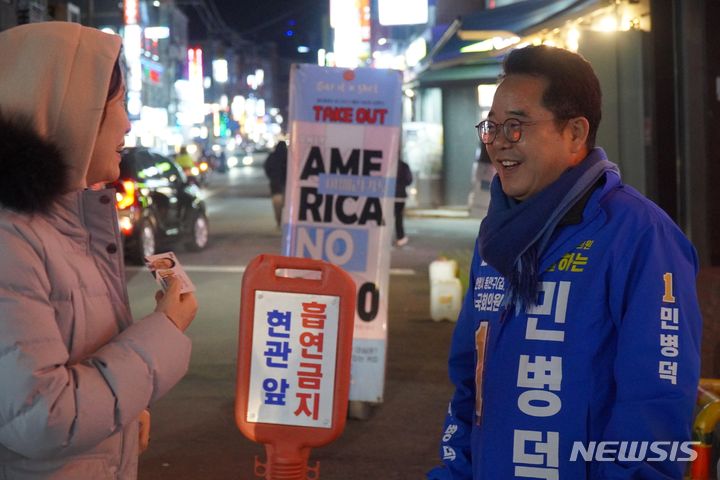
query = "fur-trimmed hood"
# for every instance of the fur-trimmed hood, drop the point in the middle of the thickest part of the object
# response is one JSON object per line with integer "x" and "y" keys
{"x": 54, "y": 79}
{"x": 32, "y": 170}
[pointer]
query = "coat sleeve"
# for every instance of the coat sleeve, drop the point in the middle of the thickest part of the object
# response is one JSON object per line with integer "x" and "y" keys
{"x": 50, "y": 408}
{"x": 455, "y": 449}
{"x": 657, "y": 363}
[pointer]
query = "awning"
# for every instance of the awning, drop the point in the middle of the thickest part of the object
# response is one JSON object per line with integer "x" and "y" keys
{"x": 515, "y": 20}
{"x": 480, "y": 73}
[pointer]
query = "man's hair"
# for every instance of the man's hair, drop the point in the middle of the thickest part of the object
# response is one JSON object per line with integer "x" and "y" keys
{"x": 573, "y": 88}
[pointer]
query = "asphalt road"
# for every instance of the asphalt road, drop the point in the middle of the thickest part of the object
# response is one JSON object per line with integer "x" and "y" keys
{"x": 193, "y": 428}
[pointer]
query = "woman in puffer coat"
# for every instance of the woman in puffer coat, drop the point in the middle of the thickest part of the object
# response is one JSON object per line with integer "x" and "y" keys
{"x": 76, "y": 372}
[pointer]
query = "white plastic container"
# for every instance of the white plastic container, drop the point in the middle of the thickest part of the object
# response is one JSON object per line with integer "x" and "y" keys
{"x": 445, "y": 299}
{"x": 443, "y": 269}
{"x": 445, "y": 290}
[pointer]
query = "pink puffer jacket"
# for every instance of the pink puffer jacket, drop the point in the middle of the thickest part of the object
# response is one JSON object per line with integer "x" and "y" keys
{"x": 75, "y": 370}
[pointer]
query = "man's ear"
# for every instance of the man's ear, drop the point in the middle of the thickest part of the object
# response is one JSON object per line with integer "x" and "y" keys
{"x": 579, "y": 127}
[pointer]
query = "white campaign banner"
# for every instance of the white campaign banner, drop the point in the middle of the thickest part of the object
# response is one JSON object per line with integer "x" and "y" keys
{"x": 344, "y": 144}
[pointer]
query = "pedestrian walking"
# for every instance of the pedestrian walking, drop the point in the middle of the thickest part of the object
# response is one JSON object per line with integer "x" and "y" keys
{"x": 403, "y": 179}
{"x": 77, "y": 373}
{"x": 581, "y": 324}
{"x": 276, "y": 171}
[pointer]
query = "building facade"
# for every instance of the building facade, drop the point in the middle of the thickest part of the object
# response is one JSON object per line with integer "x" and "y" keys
{"x": 657, "y": 63}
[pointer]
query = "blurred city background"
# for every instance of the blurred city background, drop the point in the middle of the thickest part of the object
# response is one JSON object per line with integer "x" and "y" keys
{"x": 211, "y": 77}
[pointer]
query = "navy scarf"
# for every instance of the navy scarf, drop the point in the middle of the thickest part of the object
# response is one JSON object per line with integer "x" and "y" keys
{"x": 514, "y": 234}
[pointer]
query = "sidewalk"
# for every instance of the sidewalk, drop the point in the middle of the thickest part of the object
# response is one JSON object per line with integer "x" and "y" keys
{"x": 447, "y": 211}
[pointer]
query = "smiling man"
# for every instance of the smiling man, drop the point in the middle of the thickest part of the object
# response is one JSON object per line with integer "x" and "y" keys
{"x": 576, "y": 353}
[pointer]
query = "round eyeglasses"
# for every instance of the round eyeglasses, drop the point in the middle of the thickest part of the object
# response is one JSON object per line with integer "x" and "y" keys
{"x": 512, "y": 129}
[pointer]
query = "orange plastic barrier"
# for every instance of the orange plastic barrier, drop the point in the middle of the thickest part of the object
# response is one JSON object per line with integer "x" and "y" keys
{"x": 294, "y": 352}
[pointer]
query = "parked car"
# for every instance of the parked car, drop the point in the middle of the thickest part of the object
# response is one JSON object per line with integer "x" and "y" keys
{"x": 157, "y": 206}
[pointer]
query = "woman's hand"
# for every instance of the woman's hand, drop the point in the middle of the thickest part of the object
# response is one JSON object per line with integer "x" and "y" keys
{"x": 144, "y": 431}
{"x": 180, "y": 308}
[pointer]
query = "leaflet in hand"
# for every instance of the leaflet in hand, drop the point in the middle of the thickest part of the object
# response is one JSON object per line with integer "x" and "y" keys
{"x": 164, "y": 265}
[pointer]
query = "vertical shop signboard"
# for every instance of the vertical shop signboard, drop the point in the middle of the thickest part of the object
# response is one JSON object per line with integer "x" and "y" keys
{"x": 344, "y": 142}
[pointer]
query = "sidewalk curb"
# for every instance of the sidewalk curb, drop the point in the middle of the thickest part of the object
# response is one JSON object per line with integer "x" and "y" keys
{"x": 437, "y": 213}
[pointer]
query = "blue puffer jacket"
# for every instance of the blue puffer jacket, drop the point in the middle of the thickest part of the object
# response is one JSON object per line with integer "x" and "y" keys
{"x": 610, "y": 354}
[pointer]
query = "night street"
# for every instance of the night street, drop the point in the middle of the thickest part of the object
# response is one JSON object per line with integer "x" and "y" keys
{"x": 564, "y": 151}
{"x": 193, "y": 432}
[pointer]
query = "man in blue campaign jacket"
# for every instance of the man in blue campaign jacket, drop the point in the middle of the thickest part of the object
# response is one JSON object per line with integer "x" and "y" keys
{"x": 576, "y": 354}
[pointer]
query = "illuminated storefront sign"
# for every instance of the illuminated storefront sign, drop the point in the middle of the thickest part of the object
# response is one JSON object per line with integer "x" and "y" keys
{"x": 157, "y": 33}
{"x": 220, "y": 70}
{"x": 196, "y": 92}
{"x": 130, "y": 11}
{"x": 407, "y": 12}
{"x": 351, "y": 21}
